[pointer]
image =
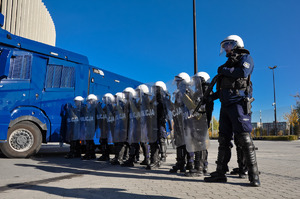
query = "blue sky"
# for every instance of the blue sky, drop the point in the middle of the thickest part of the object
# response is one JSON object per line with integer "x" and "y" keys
{"x": 152, "y": 40}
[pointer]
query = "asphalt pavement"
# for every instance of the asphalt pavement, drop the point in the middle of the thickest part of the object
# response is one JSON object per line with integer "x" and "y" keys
{"x": 49, "y": 175}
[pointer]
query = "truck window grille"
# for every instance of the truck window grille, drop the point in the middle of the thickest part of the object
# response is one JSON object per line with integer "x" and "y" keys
{"x": 50, "y": 72}
{"x": 20, "y": 67}
{"x": 60, "y": 77}
{"x": 57, "y": 76}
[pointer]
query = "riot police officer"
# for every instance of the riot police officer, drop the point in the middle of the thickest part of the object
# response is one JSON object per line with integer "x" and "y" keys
{"x": 159, "y": 91}
{"x": 143, "y": 106}
{"x": 89, "y": 113}
{"x": 235, "y": 93}
{"x": 106, "y": 135}
{"x": 201, "y": 80}
{"x": 120, "y": 132}
{"x": 179, "y": 141}
{"x": 133, "y": 128}
{"x": 73, "y": 120}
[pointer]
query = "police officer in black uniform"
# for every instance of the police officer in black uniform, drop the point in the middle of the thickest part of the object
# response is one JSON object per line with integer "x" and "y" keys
{"x": 235, "y": 93}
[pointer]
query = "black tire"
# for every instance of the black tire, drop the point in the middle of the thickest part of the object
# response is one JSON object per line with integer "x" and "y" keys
{"x": 24, "y": 139}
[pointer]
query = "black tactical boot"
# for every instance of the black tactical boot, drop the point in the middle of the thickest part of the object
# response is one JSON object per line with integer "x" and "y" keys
{"x": 216, "y": 177}
{"x": 119, "y": 152}
{"x": 155, "y": 163}
{"x": 89, "y": 151}
{"x": 248, "y": 148}
{"x": 198, "y": 164}
{"x": 224, "y": 155}
{"x": 205, "y": 166}
{"x": 104, "y": 150}
{"x": 242, "y": 169}
{"x": 190, "y": 161}
{"x": 163, "y": 150}
{"x": 71, "y": 154}
{"x": 180, "y": 160}
{"x": 132, "y": 153}
{"x": 145, "y": 148}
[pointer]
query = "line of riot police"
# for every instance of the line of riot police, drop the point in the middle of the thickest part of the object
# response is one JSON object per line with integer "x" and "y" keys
{"x": 138, "y": 118}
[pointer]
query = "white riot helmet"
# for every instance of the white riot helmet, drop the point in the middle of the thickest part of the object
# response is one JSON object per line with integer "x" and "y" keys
{"x": 119, "y": 96}
{"x": 91, "y": 97}
{"x": 182, "y": 77}
{"x": 129, "y": 93}
{"x": 203, "y": 75}
{"x": 108, "y": 98}
{"x": 142, "y": 89}
{"x": 231, "y": 42}
{"x": 159, "y": 84}
{"x": 78, "y": 98}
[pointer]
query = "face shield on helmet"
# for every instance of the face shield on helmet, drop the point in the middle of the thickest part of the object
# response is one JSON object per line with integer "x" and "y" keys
{"x": 108, "y": 98}
{"x": 91, "y": 100}
{"x": 201, "y": 77}
{"x": 142, "y": 90}
{"x": 119, "y": 97}
{"x": 231, "y": 42}
{"x": 181, "y": 77}
{"x": 159, "y": 87}
{"x": 78, "y": 101}
{"x": 129, "y": 93}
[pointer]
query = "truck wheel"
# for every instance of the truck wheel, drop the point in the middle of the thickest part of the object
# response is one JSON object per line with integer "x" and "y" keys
{"x": 23, "y": 140}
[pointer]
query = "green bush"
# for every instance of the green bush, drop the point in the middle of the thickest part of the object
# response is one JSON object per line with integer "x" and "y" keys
{"x": 283, "y": 138}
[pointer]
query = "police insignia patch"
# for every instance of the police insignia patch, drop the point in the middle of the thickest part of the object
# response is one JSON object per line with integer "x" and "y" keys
{"x": 246, "y": 64}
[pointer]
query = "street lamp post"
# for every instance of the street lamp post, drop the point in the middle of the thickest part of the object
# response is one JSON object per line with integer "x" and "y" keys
{"x": 195, "y": 38}
{"x": 272, "y": 68}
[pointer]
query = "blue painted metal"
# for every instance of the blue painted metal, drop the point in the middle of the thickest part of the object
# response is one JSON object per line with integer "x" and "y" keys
{"x": 32, "y": 99}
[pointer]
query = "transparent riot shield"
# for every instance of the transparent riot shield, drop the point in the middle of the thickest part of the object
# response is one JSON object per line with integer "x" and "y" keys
{"x": 110, "y": 122}
{"x": 195, "y": 126}
{"x": 75, "y": 114}
{"x": 101, "y": 120}
{"x": 65, "y": 123}
{"x": 89, "y": 113}
{"x": 152, "y": 125}
{"x": 178, "y": 134}
{"x": 134, "y": 129}
{"x": 143, "y": 105}
{"x": 121, "y": 113}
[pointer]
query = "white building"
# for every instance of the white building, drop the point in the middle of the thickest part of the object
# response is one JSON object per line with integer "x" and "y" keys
{"x": 29, "y": 19}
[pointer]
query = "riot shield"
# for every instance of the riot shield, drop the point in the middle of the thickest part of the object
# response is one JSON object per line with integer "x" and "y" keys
{"x": 74, "y": 114}
{"x": 143, "y": 92}
{"x": 134, "y": 129}
{"x": 89, "y": 113}
{"x": 101, "y": 121}
{"x": 178, "y": 134}
{"x": 120, "y": 132}
{"x": 195, "y": 126}
{"x": 67, "y": 125}
{"x": 110, "y": 122}
{"x": 152, "y": 125}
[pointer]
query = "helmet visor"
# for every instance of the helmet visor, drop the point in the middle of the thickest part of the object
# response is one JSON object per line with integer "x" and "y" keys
{"x": 227, "y": 46}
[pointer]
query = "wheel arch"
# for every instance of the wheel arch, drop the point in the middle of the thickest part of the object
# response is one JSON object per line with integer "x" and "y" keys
{"x": 34, "y": 115}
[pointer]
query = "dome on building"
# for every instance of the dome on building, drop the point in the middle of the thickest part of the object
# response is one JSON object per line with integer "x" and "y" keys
{"x": 29, "y": 19}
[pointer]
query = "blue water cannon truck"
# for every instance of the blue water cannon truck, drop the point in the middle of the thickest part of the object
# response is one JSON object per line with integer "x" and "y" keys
{"x": 36, "y": 80}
